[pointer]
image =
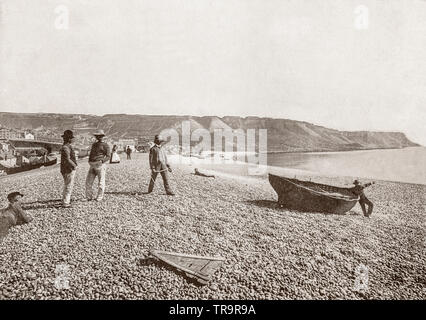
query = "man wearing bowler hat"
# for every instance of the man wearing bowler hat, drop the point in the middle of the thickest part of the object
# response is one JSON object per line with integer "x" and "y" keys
{"x": 68, "y": 167}
{"x": 99, "y": 156}
{"x": 159, "y": 165}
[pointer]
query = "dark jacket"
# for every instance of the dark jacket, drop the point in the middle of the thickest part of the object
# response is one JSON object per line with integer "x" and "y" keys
{"x": 158, "y": 159}
{"x": 16, "y": 215}
{"x": 11, "y": 216}
{"x": 359, "y": 189}
{"x": 100, "y": 152}
{"x": 68, "y": 161}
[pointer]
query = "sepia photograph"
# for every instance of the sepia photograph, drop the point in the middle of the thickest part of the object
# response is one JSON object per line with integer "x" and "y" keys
{"x": 212, "y": 150}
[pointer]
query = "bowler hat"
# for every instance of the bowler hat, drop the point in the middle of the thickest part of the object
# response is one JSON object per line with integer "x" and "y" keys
{"x": 68, "y": 134}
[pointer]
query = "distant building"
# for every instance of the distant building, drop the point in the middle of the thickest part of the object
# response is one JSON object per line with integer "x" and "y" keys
{"x": 6, "y": 134}
{"x": 143, "y": 144}
{"x": 122, "y": 144}
{"x": 28, "y": 136}
{"x": 4, "y": 146}
{"x": 6, "y": 155}
{"x": 7, "y": 160}
{"x": 142, "y": 141}
{"x": 49, "y": 139}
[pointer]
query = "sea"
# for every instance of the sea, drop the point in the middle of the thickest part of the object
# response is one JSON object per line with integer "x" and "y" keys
{"x": 402, "y": 165}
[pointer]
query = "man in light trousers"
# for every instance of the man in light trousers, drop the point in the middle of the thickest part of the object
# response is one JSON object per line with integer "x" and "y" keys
{"x": 68, "y": 167}
{"x": 99, "y": 156}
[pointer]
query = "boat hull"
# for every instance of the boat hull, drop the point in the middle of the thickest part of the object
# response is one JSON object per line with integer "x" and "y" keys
{"x": 312, "y": 197}
{"x": 30, "y": 167}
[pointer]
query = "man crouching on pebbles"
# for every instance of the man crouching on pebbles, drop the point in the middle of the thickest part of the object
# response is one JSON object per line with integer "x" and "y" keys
{"x": 13, "y": 214}
{"x": 99, "y": 156}
{"x": 159, "y": 164}
{"x": 68, "y": 167}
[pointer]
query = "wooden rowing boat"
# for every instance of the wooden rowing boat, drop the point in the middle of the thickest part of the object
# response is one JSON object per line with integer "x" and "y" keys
{"x": 309, "y": 196}
{"x": 28, "y": 167}
{"x": 199, "y": 267}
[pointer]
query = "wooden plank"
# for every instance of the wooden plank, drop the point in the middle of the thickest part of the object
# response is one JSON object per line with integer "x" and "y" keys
{"x": 197, "y": 274}
{"x": 188, "y": 255}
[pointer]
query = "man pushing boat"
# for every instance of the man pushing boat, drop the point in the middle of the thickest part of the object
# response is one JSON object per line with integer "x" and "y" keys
{"x": 358, "y": 190}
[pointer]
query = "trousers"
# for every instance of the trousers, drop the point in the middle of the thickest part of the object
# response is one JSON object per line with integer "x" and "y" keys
{"x": 364, "y": 201}
{"x": 165, "y": 177}
{"x": 97, "y": 170}
{"x": 68, "y": 186}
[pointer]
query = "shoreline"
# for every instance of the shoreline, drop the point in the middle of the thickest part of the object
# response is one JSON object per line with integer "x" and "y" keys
{"x": 343, "y": 150}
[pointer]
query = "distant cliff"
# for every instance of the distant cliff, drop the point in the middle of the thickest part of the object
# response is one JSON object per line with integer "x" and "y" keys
{"x": 283, "y": 134}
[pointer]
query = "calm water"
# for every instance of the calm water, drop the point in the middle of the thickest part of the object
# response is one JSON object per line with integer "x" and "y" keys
{"x": 405, "y": 165}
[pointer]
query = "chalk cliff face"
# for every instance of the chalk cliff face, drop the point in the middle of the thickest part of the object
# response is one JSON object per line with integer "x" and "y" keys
{"x": 283, "y": 134}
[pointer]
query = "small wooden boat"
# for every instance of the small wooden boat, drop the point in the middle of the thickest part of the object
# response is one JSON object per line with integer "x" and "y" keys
{"x": 312, "y": 197}
{"x": 28, "y": 167}
{"x": 199, "y": 267}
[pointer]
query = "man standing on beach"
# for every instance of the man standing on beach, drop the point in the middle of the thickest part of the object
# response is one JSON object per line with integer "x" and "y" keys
{"x": 159, "y": 164}
{"x": 129, "y": 153}
{"x": 359, "y": 191}
{"x": 68, "y": 167}
{"x": 13, "y": 214}
{"x": 99, "y": 155}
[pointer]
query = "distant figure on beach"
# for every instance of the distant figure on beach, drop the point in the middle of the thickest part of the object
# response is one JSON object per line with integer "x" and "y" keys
{"x": 68, "y": 167}
{"x": 115, "y": 158}
{"x": 13, "y": 214}
{"x": 99, "y": 155}
{"x": 198, "y": 173}
{"x": 159, "y": 164}
{"x": 359, "y": 191}
{"x": 129, "y": 153}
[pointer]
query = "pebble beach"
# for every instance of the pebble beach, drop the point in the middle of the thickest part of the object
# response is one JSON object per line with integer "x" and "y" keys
{"x": 101, "y": 248}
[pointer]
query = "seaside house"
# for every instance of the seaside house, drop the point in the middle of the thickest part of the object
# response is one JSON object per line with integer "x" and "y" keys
{"x": 4, "y": 146}
{"x": 6, "y": 155}
{"x": 7, "y": 160}
{"x": 28, "y": 136}
{"x": 6, "y": 133}
{"x": 122, "y": 144}
{"x": 143, "y": 144}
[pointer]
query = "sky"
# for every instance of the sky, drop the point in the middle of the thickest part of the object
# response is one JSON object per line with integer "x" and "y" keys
{"x": 348, "y": 65}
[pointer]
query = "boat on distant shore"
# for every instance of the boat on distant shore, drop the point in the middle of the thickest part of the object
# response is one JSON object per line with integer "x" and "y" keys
{"x": 309, "y": 196}
{"x": 28, "y": 167}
